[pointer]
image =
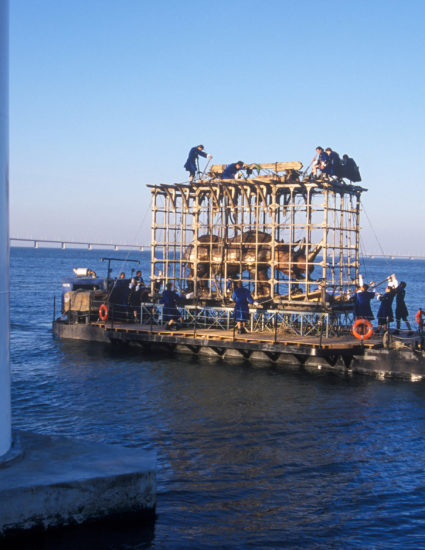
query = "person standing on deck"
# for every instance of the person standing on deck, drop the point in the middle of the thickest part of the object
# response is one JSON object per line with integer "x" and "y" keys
{"x": 385, "y": 312}
{"x": 192, "y": 163}
{"x": 362, "y": 309}
{"x": 401, "y": 312}
{"x": 170, "y": 313}
{"x": 242, "y": 297}
{"x": 231, "y": 170}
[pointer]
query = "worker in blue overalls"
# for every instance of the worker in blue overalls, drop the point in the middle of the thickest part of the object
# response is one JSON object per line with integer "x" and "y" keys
{"x": 385, "y": 312}
{"x": 170, "y": 313}
{"x": 320, "y": 161}
{"x": 231, "y": 170}
{"x": 362, "y": 309}
{"x": 242, "y": 297}
{"x": 333, "y": 164}
{"x": 192, "y": 163}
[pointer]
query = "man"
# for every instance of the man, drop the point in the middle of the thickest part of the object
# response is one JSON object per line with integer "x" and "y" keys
{"x": 139, "y": 278}
{"x": 333, "y": 164}
{"x": 401, "y": 312}
{"x": 137, "y": 294}
{"x": 192, "y": 163}
{"x": 320, "y": 162}
{"x": 241, "y": 296}
{"x": 362, "y": 309}
{"x": 170, "y": 313}
{"x": 349, "y": 169}
{"x": 231, "y": 170}
{"x": 385, "y": 312}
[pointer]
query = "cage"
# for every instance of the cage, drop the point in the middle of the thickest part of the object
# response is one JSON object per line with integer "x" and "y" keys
{"x": 291, "y": 240}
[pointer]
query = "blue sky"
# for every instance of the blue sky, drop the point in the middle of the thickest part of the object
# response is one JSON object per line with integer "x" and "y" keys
{"x": 108, "y": 96}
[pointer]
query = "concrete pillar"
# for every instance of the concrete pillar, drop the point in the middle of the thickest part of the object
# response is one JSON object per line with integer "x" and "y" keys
{"x": 5, "y": 409}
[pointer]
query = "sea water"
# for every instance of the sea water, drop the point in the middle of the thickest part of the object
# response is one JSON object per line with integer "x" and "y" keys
{"x": 248, "y": 456}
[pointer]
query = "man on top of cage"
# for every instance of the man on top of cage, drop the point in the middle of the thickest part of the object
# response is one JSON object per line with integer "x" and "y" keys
{"x": 192, "y": 163}
{"x": 320, "y": 160}
{"x": 232, "y": 170}
{"x": 333, "y": 163}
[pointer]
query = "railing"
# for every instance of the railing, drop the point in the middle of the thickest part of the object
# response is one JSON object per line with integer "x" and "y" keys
{"x": 302, "y": 323}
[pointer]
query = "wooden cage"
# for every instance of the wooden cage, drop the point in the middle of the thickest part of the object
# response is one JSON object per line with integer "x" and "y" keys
{"x": 290, "y": 241}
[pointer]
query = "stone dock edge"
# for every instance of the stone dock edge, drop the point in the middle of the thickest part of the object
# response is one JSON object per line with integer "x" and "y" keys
{"x": 54, "y": 482}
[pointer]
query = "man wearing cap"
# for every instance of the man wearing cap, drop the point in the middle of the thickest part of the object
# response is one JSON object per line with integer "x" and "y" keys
{"x": 192, "y": 160}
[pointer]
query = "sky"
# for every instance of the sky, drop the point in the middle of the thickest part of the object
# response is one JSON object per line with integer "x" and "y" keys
{"x": 108, "y": 96}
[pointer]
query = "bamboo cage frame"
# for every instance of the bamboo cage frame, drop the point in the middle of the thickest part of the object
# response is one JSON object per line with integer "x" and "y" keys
{"x": 288, "y": 241}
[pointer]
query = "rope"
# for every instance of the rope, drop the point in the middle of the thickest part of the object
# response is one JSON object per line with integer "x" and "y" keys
{"x": 137, "y": 233}
{"x": 375, "y": 235}
{"x": 362, "y": 256}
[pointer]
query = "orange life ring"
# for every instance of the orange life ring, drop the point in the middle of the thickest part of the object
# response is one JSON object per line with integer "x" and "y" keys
{"x": 362, "y": 323}
{"x": 419, "y": 317}
{"x": 103, "y": 312}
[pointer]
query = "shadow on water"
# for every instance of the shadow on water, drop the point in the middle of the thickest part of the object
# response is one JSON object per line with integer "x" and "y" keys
{"x": 102, "y": 535}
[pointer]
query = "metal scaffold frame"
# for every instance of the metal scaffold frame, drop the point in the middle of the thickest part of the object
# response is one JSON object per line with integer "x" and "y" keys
{"x": 302, "y": 323}
{"x": 291, "y": 242}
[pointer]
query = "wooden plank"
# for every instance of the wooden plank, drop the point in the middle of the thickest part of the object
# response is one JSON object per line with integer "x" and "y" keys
{"x": 275, "y": 166}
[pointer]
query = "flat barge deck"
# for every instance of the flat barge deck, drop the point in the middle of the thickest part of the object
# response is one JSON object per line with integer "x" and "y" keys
{"x": 402, "y": 357}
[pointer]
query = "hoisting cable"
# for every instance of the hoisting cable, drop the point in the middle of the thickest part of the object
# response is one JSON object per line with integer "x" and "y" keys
{"x": 375, "y": 235}
{"x": 126, "y": 258}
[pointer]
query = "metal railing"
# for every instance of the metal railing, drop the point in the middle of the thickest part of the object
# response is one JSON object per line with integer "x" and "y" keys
{"x": 302, "y": 323}
{"x": 197, "y": 317}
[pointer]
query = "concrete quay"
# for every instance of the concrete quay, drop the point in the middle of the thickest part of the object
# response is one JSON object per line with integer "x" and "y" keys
{"x": 53, "y": 482}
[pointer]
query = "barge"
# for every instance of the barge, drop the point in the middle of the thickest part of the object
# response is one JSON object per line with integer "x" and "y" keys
{"x": 290, "y": 239}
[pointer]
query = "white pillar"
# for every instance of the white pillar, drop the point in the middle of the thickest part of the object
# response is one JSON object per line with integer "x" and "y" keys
{"x": 5, "y": 410}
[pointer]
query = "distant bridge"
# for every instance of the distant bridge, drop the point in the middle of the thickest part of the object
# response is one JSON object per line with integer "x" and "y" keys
{"x": 393, "y": 256}
{"x": 48, "y": 243}
{"x": 37, "y": 243}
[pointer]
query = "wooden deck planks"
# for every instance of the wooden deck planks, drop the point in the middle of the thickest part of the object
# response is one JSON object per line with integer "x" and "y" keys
{"x": 346, "y": 342}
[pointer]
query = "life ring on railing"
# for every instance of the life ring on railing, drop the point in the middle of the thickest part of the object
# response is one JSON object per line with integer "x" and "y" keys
{"x": 103, "y": 312}
{"x": 364, "y": 323}
{"x": 420, "y": 317}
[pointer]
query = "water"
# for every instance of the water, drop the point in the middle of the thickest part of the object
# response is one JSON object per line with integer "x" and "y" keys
{"x": 248, "y": 457}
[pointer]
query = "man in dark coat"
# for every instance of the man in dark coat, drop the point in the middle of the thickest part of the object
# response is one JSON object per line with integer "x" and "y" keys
{"x": 401, "y": 312}
{"x": 349, "y": 169}
{"x": 362, "y": 309}
{"x": 385, "y": 312}
{"x": 231, "y": 170}
{"x": 242, "y": 297}
{"x": 333, "y": 165}
{"x": 192, "y": 160}
{"x": 170, "y": 313}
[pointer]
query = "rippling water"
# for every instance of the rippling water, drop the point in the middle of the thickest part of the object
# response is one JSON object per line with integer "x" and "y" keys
{"x": 248, "y": 457}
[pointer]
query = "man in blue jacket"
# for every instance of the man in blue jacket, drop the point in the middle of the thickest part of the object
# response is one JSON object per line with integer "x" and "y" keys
{"x": 333, "y": 165}
{"x": 242, "y": 297}
{"x": 170, "y": 313}
{"x": 192, "y": 163}
{"x": 231, "y": 170}
{"x": 320, "y": 161}
{"x": 362, "y": 309}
